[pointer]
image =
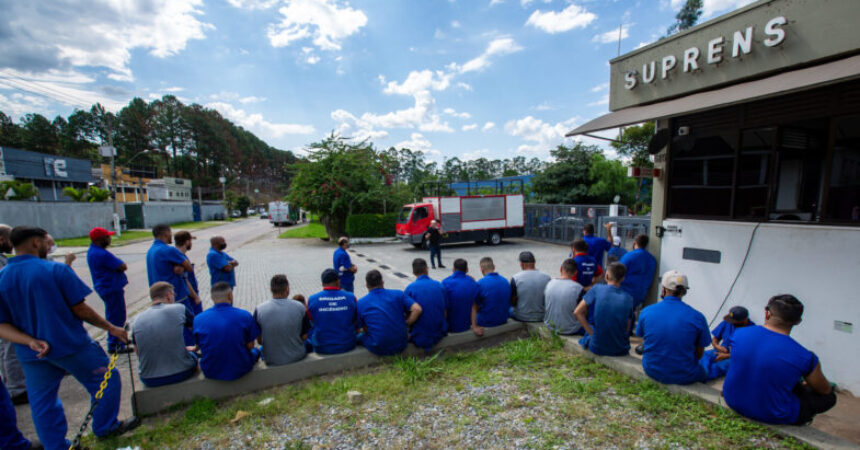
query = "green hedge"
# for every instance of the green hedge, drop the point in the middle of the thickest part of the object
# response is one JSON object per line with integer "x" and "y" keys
{"x": 371, "y": 225}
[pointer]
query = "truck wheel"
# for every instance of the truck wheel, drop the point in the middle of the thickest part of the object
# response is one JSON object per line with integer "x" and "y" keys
{"x": 418, "y": 246}
{"x": 495, "y": 238}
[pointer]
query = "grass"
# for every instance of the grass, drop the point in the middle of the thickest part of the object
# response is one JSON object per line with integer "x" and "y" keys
{"x": 133, "y": 235}
{"x": 527, "y": 392}
{"x": 311, "y": 230}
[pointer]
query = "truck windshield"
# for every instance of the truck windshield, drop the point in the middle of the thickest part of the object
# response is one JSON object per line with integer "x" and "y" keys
{"x": 404, "y": 215}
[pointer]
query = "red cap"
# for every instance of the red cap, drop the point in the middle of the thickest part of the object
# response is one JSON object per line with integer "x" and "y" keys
{"x": 99, "y": 232}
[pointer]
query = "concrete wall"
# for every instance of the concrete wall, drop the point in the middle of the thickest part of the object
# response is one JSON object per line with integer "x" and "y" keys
{"x": 155, "y": 213}
{"x": 61, "y": 219}
{"x": 816, "y": 264}
{"x": 208, "y": 212}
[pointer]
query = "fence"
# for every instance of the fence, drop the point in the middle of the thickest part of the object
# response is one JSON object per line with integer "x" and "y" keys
{"x": 561, "y": 224}
{"x": 61, "y": 219}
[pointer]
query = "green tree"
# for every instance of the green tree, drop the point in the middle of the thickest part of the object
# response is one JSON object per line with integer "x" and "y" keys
{"x": 609, "y": 178}
{"x": 242, "y": 204}
{"x": 686, "y": 17}
{"x": 567, "y": 179}
{"x": 230, "y": 201}
{"x": 77, "y": 195}
{"x": 18, "y": 190}
{"x": 96, "y": 194}
{"x": 39, "y": 134}
{"x": 10, "y": 133}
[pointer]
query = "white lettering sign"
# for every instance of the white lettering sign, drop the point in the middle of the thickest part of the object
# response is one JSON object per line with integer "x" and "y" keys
{"x": 741, "y": 44}
{"x": 56, "y": 168}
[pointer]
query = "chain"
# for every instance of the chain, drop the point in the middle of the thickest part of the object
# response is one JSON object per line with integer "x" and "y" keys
{"x": 76, "y": 443}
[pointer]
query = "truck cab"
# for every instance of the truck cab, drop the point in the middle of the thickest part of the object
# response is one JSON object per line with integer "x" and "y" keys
{"x": 413, "y": 221}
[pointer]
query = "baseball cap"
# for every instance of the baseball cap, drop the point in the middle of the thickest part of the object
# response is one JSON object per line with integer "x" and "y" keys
{"x": 99, "y": 232}
{"x": 738, "y": 314}
{"x": 527, "y": 257}
{"x": 329, "y": 276}
{"x": 616, "y": 240}
{"x": 673, "y": 279}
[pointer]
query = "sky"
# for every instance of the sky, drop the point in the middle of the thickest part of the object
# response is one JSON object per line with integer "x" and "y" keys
{"x": 451, "y": 78}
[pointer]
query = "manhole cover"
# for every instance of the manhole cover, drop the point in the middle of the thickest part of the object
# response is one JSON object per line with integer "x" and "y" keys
{"x": 384, "y": 266}
{"x": 401, "y": 275}
{"x": 371, "y": 260}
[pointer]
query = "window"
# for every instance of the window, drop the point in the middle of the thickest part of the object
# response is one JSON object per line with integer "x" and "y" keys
{"x": 751, "y": 196}
{"x": 843, "y": 201}
{"x": 701, "y": 175}
{"x": 420, "y": 213}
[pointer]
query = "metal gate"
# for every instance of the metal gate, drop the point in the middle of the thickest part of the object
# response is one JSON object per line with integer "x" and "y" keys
{"x": 134, "y": 215}
{"x": 562, "y": 224}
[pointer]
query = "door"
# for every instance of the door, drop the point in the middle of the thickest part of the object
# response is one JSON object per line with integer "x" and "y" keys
{"x": 134, "y": 215}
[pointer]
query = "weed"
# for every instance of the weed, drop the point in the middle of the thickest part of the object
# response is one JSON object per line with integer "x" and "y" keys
{"x": 416, "y": 369}
{"x": 200, "y": 410}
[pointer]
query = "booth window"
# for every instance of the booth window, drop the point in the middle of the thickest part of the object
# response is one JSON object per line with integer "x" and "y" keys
{"x": 754, "y": 159}
{"x": 843, "y": 200}
{"x": 701, "y": 175}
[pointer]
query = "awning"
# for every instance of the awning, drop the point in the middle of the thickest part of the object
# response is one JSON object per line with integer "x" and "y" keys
{"x": 802, "y": 79}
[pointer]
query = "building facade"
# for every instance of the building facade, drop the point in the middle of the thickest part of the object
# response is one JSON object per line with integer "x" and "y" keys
{"x": 49, "y": 173}
{"x": 758, "y": 119}
{"x": 170, "y": 189}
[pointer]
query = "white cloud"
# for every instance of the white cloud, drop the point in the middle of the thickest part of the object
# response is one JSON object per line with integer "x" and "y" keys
{"x": 475, "y": 154}
{"x": 453, "y": 112}
{"x": 573, "y": 16}
{"x": 62, "y": 36}
{"x": 173, "y": 89}
{"x": 313, "y": 59}
{"x": 66, "y": 87}
{"x": 545, "y": 106}
{"x": 16, "y": 105}
{"x": 323, "y": 21}
{"x": 455, "y": 24}
{"x": 464, "y": 86}
{"x": 488, "y": 126}
{"x": 600, "y": 87}
{"x": 470, "y": 127}
{"x": 251, "y": 99}
{"x": 496, "y": 2}
{"x": 253, "y": 4}
{"x": 500, "y": 46}
{"x": 712, "y": 7}
{"x": 539, "y": 135}
{"x": 418, "y": 143}
{"x": 418, "y": 81}
{"x": 611, "y": 36}
{"x": 257, "y": 123}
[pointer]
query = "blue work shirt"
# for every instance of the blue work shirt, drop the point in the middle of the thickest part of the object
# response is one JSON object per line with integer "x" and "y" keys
{"x": 725, "y": 331}
{"x": 609, "y": 311}
{"x": 494, "y": 300}
{"x": 104, "y": 266}
{"x": 640, "y": 274}
{"x": 596, "y": 247}
{"x": 341, "y": 259}
{"x": 334, "y": 319}
{"x": 462, "y": 293}
{"x": 586, "y": 269}
{"x": 431, "y": 325}
{"x": 160, "y": 259}
{"x": 383, "y": 313}
{"x": 36, "y": 297}
{"x": 617, "y": 252}
{"x": 217, "y": 260}
{"x": 222, "y": 333}
{"x": 672, "y": 330}
{"x": 765, "y": 368}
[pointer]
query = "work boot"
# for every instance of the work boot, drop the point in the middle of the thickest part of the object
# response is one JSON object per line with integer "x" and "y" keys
{"x": 124, "y": 427}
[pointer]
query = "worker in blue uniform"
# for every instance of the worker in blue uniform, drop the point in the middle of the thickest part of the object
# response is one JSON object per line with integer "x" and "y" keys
{"x": 493, "y": 305}
{"x": 462, "y": 292}
{"x": 344, "y": 266}
{"x": 384, "y": 315}
{"x": 597, "y": 246}
{"x": 41, "y": 311}
{"x": 432, "y": 325}
{"x": 222, "y": 267}
{"x": 109, "y": 281}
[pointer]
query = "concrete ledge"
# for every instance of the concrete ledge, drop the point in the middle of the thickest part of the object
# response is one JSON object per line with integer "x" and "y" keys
{"x": 153, "y": 400}
{"x": 632, "y": 367}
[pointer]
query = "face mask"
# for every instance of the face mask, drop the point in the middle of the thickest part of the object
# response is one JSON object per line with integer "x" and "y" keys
{"x": 223, "y": 246}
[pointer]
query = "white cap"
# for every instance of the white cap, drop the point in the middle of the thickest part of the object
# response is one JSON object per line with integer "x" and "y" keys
{"x": 616, "y": 240}
{"x": 672, "y": 279}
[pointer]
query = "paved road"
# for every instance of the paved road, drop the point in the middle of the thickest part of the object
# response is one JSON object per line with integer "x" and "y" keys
{"x": 260, "y": 254}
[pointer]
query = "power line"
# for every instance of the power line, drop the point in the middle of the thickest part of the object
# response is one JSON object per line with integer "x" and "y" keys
{"x": 45, "y": 91}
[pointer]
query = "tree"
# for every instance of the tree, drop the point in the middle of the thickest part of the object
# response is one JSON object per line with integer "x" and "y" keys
{"x": 567, "y": 179}
{"x": 609, "y": 178}
{"x": 242, "y": 204}
{"x": 77, "y": 195}
{"x": 686, "y": 17}
{"x": 39, "y": 134}
{"x": 96, "y": 194}
{"x": 229, "y": 201}
{"x": 633, "y": 144}
{"x": 18, "y": 190}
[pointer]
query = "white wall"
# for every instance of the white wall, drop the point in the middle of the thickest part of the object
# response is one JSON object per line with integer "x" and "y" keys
{"x": 155, "y": 213}
{"x": 820, "y": 265}
{"x": 61, "y": 219}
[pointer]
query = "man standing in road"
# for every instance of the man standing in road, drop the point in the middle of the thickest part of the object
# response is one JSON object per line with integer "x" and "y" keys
{"x": 109, "y": 280}
{"x": 182, "y": 242}
{"x": 385, "y": 315}
{"x": 53, "y": 341}
{"x": 222, "y": 267}
{"x": 527, "y": 290}
{"x": 166, "y": 263}
{"x": 343, "y": 265}
{"x": 434, "y": 242}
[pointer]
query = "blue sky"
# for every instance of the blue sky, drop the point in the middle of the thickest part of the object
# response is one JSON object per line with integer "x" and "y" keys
{"x": 464, "y": 78}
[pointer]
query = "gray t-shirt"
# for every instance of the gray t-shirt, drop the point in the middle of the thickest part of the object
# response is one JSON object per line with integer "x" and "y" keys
{"x": 157, "y": 332}
{"x": 529, "y": 285}
{"x": 282, "y": 322}
{"x": 561, "y": 295}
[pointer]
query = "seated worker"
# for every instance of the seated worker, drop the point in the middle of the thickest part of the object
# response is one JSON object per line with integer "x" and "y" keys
{"x": 716, "y": 361}
{"x": 561, "y": 295}
{"x": 283, "y": 323}
{"x": 616, "y": 252}
{"x": 432, "y": 325}
{"x": 605, "y": 314}
{"x": 764, "y": 379}
{"x": 225, "y": 336}
{"x": 384, "y": 314}
{"x": 675, "y": 335}
{"x": 462, "y": 291}
{"x": 334, "y": 317}
{"x": 162, "y": 355}
{"x": 527, "y": 287}
{"x": 494, "y": 299}
{"x": 588, "y": 271}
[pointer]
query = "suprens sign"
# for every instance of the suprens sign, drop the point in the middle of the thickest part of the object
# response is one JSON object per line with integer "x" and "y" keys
{"x": 713, "y": 53}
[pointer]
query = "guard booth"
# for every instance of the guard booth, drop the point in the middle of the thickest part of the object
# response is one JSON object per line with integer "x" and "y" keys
{"x": 758, "y": 145}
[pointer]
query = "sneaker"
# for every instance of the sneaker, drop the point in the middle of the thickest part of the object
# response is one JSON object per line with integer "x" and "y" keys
{"x": 20, "y": 399}
{"x": 124, "y": 427}
{"x": 441, "y": 266}
{"x": 640, "y": 349}
{"x": 36, "y": 445}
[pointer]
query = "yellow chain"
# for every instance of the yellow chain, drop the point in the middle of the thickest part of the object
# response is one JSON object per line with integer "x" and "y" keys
{"x": 111, "y": 366}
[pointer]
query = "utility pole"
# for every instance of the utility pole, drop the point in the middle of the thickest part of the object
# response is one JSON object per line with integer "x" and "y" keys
{"x": 110, "y": 151}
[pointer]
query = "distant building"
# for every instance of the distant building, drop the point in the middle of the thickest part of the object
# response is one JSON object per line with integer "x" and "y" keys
{"x": 49, "y": 173}
{"x": 170, "y": 189}
{"x": 131, "y": 181}
{"x": 500, "y": 185}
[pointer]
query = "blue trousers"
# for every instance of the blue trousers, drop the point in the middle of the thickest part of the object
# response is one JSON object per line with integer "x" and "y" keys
{"x": 435, "y": 250}
{"x": 88, "y": 366}
{"x": 715, "y": 369}
{"x": 10, "y": 437}
{"x": 171, "y": 379}
{"x": 195, "y": 309}
{"x": 115, "y": 314}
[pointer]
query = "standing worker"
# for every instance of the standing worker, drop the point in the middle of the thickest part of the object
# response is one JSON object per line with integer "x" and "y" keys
{"x": 109, "y": 280}
{"x": 343, "y": 265}
{"x": 54, "y": 341}
{"x": 222, "y": 267}
{"x": 434, "y": 238}
{"x": 597, "y": 246}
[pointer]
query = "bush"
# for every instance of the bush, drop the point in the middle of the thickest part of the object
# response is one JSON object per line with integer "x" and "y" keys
{"x": 371, "y": 225}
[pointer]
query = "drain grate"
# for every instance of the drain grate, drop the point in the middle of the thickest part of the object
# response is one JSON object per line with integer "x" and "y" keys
{"x": 371, "y": 260}
{"x": 359, "y": 254}
{"x": 400, "y": 275}
{"x": 384, "y": 266}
